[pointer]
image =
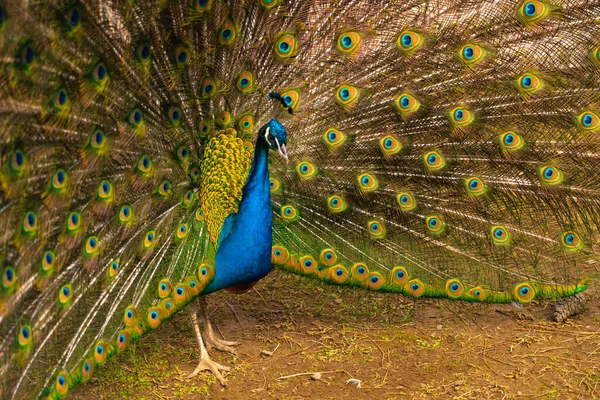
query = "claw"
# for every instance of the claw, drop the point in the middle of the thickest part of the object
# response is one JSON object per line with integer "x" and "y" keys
{"x": 206, "y": 364}
{"x": 212, "y": 341}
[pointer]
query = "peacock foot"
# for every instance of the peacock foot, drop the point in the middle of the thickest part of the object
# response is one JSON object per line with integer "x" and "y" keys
{"x": 206, "y": 364}
{"x": 212, "y": 341}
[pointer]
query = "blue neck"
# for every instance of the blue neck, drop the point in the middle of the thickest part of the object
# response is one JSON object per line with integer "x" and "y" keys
{"x": 244, "y": 251}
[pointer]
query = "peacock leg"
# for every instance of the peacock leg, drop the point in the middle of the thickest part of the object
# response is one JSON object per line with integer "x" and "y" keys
{"x": 205, "y": 363}
{"x": 209, "y": 334}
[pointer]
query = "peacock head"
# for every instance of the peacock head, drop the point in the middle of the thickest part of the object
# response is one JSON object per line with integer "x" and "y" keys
{"x": 274, "y": 134}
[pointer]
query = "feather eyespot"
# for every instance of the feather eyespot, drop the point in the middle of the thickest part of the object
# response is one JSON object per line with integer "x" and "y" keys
{"x": 529, "y": 83}
{"x": 60, "y": 100}
{"x": 182, "y": 231}
{"x": 204, "y": 128}
{"x": 105, "y": 191}
{"x": 164, "y": 188}
{"x": 532, "y": 12}
{"x": 149, "y": 239}
{"x": 205, "y": 272}
{"x": 246, "y": 123}
{"x": 434, "y": 161}
{"x": 406, "y": 104}
{"x": 360, "y": 272}
{"x": 280, "y": 254}
{"x": 289, "y": 213}
{"x": 306, "y": 170}
{"x": 399, "y": 276}
{"x": 406, "y": 201}
{"x": 571, "y": 241}
{"x": 97, "y": 141}
{"x": 286, "y": 46}
{"x": 59, "y": 181}
{"x": 182, "y": 55}
{"x": 334, "y": 138}
{"x": 588, "y": 121}
{"x": 524, "y": 293}
{"x": 308, "y": 264}
{"x": 291, "y": 98}
{"x": 64, "y": 295}
{"x": 460, "y": 117}
{"x": 478, "y": 293}
{"x": 145, "y": 166}
{"x": 227, "y": 33}
{"x": 174, "y": 114}
{"x": 435, "y": 224}
{"x": 183, "y": 153}
{"x": 73, "y": 222}
{"x": 30, "y": 223}
{"x": 100, "y": 352}
{"x": 123, "y": 340}
{"x": 73, "y": 18}
{"x": 328, "y": 257}
{"x": 209, "y": 87}
{"x": 113, "y": 269}
{"x": 550, "y": 175}
{"x": 143, "y": 52}
{"x": 245, "y": 82}
{"x": 203, "y": 5}
{"x": 454, "y": 288}
{"x": 376, "y": 229}
{"x": 390, "y": 145}
{"x": 187, "y": 200}
{"x": 17, "y": 163}
{"x": 414, "y": 288}
{"x": 336, "y": 204}
{"x": 199, "y": 215}
{"x": 367, "y": 182}
{"x": 349, "y": 42}
{"x": 375, "y": 281}
{"x": 471, "y": 54}
{"x": 27, "y": 56}
{"x": 338, "y": 274}
{"x": 409, "y": 41}
{"x": 269, "y": 4}
{"x": 62, "y": 384}
{"x": 135, "y": 117}
{"x": 475, "y": 186}
{"x": 195, "y": 173}
{"x": 274, "y": 185}
{"x": 511, "y": 141}
{"x": 99, "y": 73}
{"x": 87, "y": 370}
{"x": 91, "y": 246}
{"x": 130, "y": 315}
{"x": 224, "y": 119}
{"x": 500, "y": 235}
{"x": 347, "y": 95}
{"x": 48, "y": 260}
{"x": 9, "y": 278}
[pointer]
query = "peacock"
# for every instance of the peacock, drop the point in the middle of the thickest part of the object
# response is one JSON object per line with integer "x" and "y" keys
{"x": 153, "y": 152}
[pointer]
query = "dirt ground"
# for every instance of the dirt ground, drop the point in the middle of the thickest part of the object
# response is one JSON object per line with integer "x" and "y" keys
{"x": 321, "y": 336}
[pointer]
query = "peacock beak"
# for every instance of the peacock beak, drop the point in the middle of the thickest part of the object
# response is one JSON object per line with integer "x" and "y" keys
{"x": 282, "y": 151}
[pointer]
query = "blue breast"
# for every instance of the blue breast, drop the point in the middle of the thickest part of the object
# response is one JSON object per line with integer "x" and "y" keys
{"x": 244, "y": 251}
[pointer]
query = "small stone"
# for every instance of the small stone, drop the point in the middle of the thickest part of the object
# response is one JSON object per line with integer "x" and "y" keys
{"x": 354, "y": 381}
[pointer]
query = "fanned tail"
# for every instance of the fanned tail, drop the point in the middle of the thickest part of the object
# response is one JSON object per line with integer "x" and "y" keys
{"x": 444, "y": 149}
